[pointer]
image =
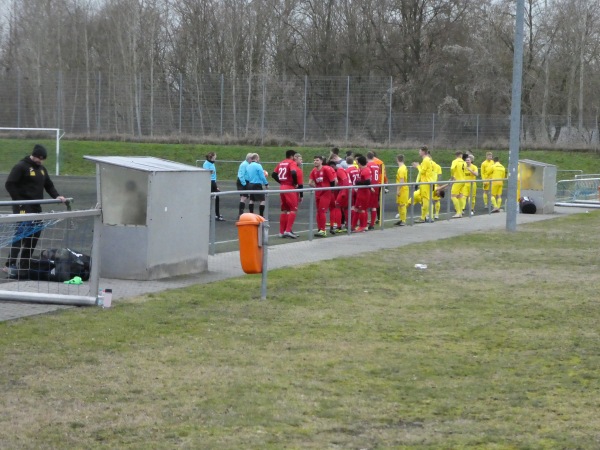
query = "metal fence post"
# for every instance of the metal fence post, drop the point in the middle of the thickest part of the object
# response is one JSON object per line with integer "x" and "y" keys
{"x": 58, "y": 97}
{"x": 262, "y": 117}
{"x": 212, "y": 228}
{"x": 349, "y": 215}
{"x": 477, "y": 133}
{"x": 390, "y": 113}
{"x": 432, "y": 130}
{"x": 19, "y": 97}
{"x": 98, "y": 123}
{"x": 347, "y": 106}
{"x": 305, "y": 107}
{"x": 265, "y": 265}
{"x": 311, "y": 214}
{"x": 222, "y": 93}
{"x": 180, "y": 100}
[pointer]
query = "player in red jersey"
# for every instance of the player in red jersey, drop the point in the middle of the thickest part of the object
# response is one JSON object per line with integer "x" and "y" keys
{"x": 353, "y": 176}
{"x": 286, "y": 174}
{"x": 376, "y": 178}
{"x": 322, "y": 176}
{"x": 340, "y": 199}
{"x": 362, "y": 196}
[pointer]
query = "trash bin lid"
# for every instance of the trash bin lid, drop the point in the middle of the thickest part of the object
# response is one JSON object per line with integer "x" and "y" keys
{"x": 250, "y": 219}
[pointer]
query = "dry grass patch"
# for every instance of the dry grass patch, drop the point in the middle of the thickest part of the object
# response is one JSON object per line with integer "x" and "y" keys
{"x": 494, "y": 346}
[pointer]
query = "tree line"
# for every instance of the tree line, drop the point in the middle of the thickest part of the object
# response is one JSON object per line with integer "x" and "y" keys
{"x": 444, "y": 56}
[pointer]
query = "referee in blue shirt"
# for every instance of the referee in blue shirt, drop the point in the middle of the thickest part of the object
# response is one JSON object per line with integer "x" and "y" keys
{"x": 209, "y": 164}
{"x": 257, "y": 179}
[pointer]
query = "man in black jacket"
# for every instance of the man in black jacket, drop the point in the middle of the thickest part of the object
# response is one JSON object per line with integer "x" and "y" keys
{"x": 27, "y": 181}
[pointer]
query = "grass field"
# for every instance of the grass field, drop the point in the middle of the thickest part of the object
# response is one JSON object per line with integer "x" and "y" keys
{"x": 72, "y": 152}
{"x": 494, "y": 346}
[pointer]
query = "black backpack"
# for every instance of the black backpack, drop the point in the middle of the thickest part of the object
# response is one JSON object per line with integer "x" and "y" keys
{"x": 60, "y": 264}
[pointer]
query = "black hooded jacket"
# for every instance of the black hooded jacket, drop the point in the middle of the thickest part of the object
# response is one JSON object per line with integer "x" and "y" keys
{"x": 27, "y": 181}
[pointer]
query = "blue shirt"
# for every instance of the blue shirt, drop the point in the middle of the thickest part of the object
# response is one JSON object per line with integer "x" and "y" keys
{"x": 256, "y": 174}
{"x": 213, "y": 170}
{"x": 243, "y": 173}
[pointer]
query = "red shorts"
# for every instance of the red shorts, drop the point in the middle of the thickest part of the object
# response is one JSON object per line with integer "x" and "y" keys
{"x": 374, "y": 198}
{"x": 362, "y": 199}
{"x": 289, "y": 200}
{"x": 323, "y": 199}
{"x": 342, "y": 199}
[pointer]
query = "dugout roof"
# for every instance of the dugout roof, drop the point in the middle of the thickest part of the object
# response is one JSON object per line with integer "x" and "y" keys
{"x": 144, "y": 163}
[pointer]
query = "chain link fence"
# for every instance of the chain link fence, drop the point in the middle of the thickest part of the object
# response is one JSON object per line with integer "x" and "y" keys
{"x": 262, "y": 110}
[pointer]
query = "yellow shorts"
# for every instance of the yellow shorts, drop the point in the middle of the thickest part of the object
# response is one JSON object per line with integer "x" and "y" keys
{"x": 468, "y": 188}
{"x": 402, "y": 199}
{"x": 497, "y": 188}
{"x": 417, "y": 197}
{"x": 457, "y": 188}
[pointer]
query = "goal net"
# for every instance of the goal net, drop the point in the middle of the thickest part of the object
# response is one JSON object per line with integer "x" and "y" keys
{"x": 47, "y": 258}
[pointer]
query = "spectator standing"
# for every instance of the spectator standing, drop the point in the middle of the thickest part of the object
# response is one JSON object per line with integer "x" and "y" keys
{"x": 209, "y": 164}
{"x": 28, "y": 180}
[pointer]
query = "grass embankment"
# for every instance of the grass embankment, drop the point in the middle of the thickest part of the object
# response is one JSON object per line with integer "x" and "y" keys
{"x": 494, "y": 346}
{"x": 72, "y": 152}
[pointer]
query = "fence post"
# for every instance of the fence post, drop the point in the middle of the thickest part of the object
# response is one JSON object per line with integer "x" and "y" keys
{"x": 212, "y": 226}
{"x": 347, "y": 106}
{"x": 180, "y": 99}
{"x": 262, "y": 117}
{"x": 18, "y": 97}
{"x": 390, "y": 113}
{"x": 99, "y": 81}
{"x": 477, "y": 131}
{"x": 305, "y": 106}
{"x": 222, "y": 93}
{"x": 311, "y": 214}
{"x": 433, "y": 131}
{"x": 58, "y": 97}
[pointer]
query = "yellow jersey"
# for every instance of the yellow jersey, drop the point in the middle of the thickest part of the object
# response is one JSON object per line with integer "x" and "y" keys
{"x": 426, "y": 170}
{"x": 498, "y": 171}
{"x": 457, "y": 170}
{"x": 437, "y": 170}
{"x": 469, "y": 175}
{"x": 487, "y": 169}
{"x": 402, "y": 174}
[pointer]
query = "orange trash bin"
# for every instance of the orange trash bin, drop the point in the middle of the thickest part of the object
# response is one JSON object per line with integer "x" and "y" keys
{"x": 249, "y": 235}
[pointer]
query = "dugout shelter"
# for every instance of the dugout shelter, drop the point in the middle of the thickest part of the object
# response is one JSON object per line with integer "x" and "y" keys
{"x": 155, "y": 217}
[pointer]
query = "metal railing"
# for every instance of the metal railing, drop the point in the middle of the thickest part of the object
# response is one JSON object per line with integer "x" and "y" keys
{"x": 272, "y": 198}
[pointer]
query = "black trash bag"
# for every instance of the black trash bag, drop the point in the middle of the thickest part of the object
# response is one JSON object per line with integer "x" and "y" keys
{"x": 60, "y": 264}
{"x": 527, "y": 206}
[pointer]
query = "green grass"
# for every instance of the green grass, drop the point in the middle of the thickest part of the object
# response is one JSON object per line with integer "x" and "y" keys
{"x": 494, "y": 346}
{"x": 72, "y": 152}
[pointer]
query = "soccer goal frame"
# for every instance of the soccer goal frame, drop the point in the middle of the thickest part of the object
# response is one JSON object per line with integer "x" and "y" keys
{"x": 57, "y": 137}
{"x": 39, "y": 291}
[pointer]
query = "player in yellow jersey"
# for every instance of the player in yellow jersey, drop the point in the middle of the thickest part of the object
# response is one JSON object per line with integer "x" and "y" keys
{"x": 486, "y": 174}
{"x": 425, "y": 176}
{"x": 401, "y": 191}
{"x": 436, "y": 199}
{"x": 498, "y": 172}
{"x": 457, "y": 173}
{"x": 470, "y": 189}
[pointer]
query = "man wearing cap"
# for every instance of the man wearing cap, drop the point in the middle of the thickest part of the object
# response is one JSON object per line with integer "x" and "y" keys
{"x": 27, "y": 181}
